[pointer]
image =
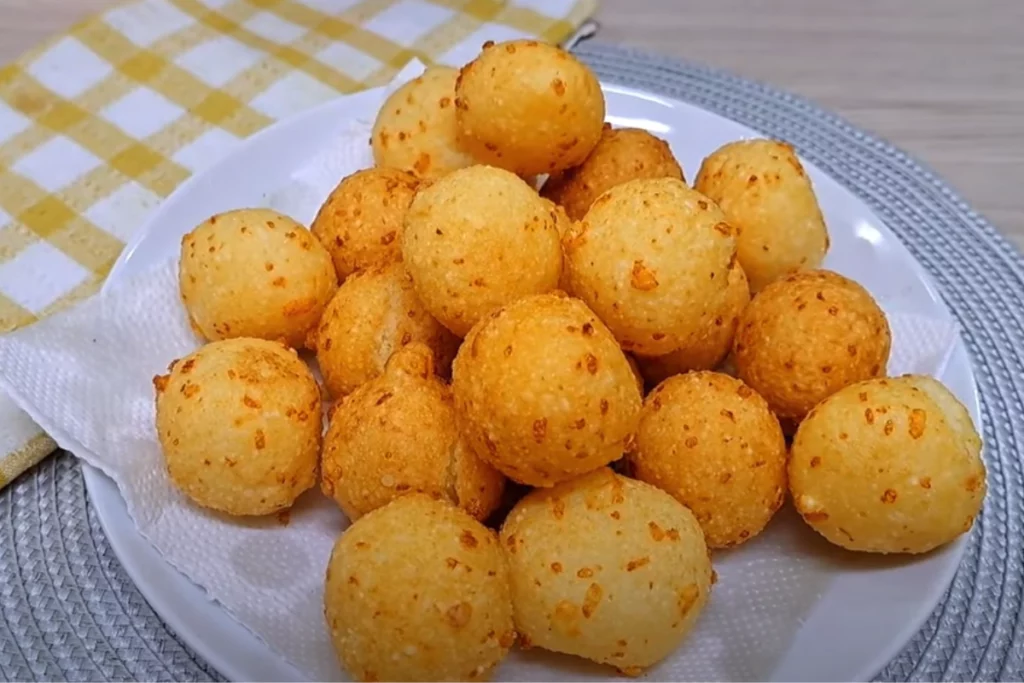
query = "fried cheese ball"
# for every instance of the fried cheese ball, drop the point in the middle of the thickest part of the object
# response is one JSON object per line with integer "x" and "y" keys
{"x": 543, "y": 392}
{"x": 709, "y": 348}
{"x": 254, "y": 273}
{"x": 529, "y": 107}
{"x": 374, "y": 313}
{"x": 764, "y": 192}
{"x": 651, "y": 258}
{"x": 712, "y": 443}
{"x": 607, "y": 568}
{"x": 360, "y": 223}
{"x": 418, "y": 591}
{"x": 239, "y": 424}
{"x": 396, "y": 434}
{"x": 622, "y": 154}
{"x": 416, "y": 128}
{"x": 808, "y": 335}
{"x": 477, "y": 239}
{"x": 888, "y": 466}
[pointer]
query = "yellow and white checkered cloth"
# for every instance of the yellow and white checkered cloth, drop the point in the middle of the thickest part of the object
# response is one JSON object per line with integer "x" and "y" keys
{"x": 100, "y": 124}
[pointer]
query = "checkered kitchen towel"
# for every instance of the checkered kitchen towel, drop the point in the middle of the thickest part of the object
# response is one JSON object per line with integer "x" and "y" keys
{"x": 98, "y": 125}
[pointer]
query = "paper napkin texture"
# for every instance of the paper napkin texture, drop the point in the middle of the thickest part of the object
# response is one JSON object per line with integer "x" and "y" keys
{"x": 101, "y": 123}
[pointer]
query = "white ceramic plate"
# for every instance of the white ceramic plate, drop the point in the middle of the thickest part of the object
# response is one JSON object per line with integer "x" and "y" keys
{"x": 871, "y": 607}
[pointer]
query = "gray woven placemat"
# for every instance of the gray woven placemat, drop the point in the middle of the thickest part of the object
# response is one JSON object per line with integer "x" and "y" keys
{"x": 68, "y": 610}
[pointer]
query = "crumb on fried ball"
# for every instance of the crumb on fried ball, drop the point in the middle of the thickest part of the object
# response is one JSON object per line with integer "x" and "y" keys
{"x": 529, "y": 107}
{"x": 709, "y": 348}
{"x": 764, "y": 192}
{"x": 543, "y": 392}
{"x": 712, "y": 443}
{"x": 621, "y": 154}
{"x": 239, "y": 423}
{"x": 607, "y": 568}
{"x": 396, "y": 434}
{"x": 416, "y": 128}
{"x": 254, "y": 273}
{"x": 888, "y": 466}
{"x": 360, "y": 222}
{"x": 375, "y": 312}
{"x": 477, "y": 239}
{"x": 808, "y": 335}
{"x": 651, "y": 258}
{"x": 418, "y": 591}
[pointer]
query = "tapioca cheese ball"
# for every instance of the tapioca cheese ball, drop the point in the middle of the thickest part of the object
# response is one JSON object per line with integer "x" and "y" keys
{"x": 543, "y": 392}
{"x": 529, "y": 107}
{"x": 416, "y": 128}
{"x": 621, "y": 154}
{"x": 607, "y": 568}
{"x": 395, "y": 435}
{"x": 889, "y": 466}
{"x": 477, "y": 239}
{"x": 765, "y": 193}
{"x": 239, "y": 423}
{"x": 418, "y": 591}
{"x": 360, "y": 222}
{"x": 712, "y": 443}
{"x": 808, "y": 335}
{"x": 651, "y": 258}
{"x": 254, "y": 273}
{"x": 375, "y": 313}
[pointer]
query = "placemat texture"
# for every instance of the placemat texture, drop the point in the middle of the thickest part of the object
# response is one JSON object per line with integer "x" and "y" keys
{"x": 98, "y": 125}
{"x": 68, "y": 610}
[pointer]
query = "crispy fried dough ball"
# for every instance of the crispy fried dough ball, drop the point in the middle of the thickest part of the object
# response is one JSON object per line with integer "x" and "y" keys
{"x": 712, "y": 443}
{"x": 622, "y": 154}
{"x": 416, "y": 128}
{"x": 765, "y": 193}
{"x": 651, "y": 258}
{"x": 254, "y": 273}
{"x": 239, "y": 424}
{"x": 375, "y": 312}
{"x": 888, "y": 466}
{"x": 418, "y": 591}
{"x": 360, "y": 223}
{"x": 807, "y": 336}
{"x": 543, "y": 392}
{"x": 477, "y": 239}
{"x": 606, "y": 568}
{"x": 710, "y": 347}
{"x": 396, "y": 434}
{"x": 529, "y": 107}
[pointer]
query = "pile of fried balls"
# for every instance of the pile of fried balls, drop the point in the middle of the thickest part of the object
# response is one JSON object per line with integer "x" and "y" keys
{"x": 547, "y": 408}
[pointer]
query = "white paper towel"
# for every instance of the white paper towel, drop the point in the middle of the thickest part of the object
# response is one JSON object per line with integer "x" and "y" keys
{"x": 85, "y": 377}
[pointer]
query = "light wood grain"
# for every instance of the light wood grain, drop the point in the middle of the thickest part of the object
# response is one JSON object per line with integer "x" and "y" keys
{"x": 942, "y": 79}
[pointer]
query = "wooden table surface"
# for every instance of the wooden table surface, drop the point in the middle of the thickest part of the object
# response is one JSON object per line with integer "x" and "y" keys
{"x": 942, "y": 79}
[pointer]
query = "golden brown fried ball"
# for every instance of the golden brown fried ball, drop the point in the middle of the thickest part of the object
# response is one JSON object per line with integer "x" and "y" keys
{"x": 477, "y": 239}
{"x": 543, "y": 392}
{"x": 254, "y": 273}
{"x": 360, "y": 223}
{"x": 239, "y": 424}
{"x": 765, "y": 193}
{"x": 607, "y": 568}
{"x": 396, "y": 434}
{"x": 651, "y": 258}
{"x": 712, "y": 443}
{"x": 418, "y": 591}
{"x": 888, "y": 466}
{"x": 416, "y": 128}
{"x": 529, "y": 107}
{"x": 807, "y": 336}
{"x": 375, "y": 312}
{"x": 622, "y": 154}
{"x": 709, "y": 348}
